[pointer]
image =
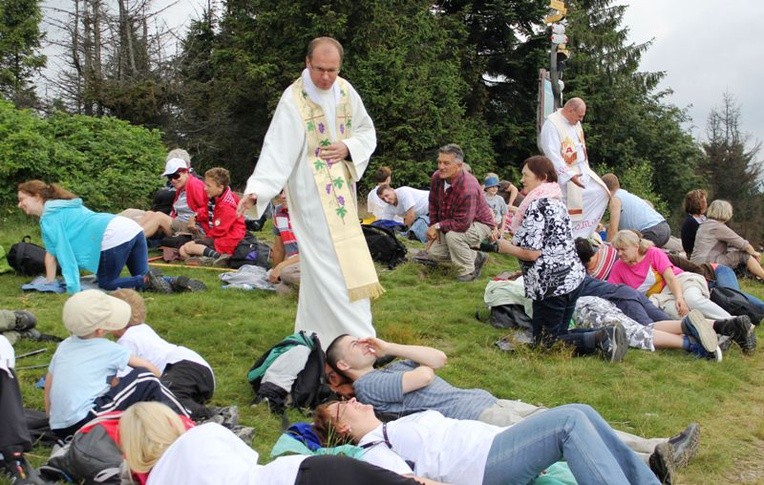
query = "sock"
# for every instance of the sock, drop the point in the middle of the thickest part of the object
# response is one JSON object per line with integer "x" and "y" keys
{"x": 209, "y": 252}
{"x": 686, "y": 343}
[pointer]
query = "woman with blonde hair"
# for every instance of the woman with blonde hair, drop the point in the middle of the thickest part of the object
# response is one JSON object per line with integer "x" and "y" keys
{"x": 161, "y": 448}
{"x": 715, "y": 242}
{"x": 648, "y": 270}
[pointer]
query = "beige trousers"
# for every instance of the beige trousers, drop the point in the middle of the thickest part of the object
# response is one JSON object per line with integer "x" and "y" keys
{"x": 457, "y": 247}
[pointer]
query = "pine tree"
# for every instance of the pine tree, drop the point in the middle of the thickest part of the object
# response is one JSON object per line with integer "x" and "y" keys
{"x": 20, "y": 58}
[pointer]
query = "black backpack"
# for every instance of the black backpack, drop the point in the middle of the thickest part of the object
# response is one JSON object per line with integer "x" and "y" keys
{"x": 28, "y": 258}
{"x": 384, "y": 246}
{"x": 251, "y": 251}
{"x": 309, "y": 387}
{"x": 736, "y": 303}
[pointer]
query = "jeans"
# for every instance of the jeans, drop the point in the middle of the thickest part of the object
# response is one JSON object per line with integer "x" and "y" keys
{"x": 134, "y": 254}
{"x": 726, "y": 278}
{"x": 419, "y": 228}
{"x": 551, "y": 317}
{"x": 575, "y": 433}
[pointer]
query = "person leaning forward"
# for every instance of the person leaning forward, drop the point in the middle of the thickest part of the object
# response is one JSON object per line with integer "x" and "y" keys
{"x": 459, "y": 215}
{"x": 318, "y": 144}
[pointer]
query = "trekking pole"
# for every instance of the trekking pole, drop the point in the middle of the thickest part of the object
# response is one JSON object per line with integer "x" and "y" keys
{"x": 27, "y": 354}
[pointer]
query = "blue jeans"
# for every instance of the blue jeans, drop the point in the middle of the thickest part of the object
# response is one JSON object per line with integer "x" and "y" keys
{"x": 135, "y": 254}
{"x": 419, "y": 227}
{"x": 575, "y": 433}
{"x": 726, "y": 278}
{"x": 551, "y": 318}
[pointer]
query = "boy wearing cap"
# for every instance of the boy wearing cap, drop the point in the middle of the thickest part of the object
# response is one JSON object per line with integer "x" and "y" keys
{"x": 184, "y": 372}
{"x": 497, "y": 204}
{"x": 81, "y": 383}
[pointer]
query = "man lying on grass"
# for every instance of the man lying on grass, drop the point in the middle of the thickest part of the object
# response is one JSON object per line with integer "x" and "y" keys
{"x": 411, "y": 386}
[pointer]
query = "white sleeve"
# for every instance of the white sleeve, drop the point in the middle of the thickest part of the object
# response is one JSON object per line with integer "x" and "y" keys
{"x": 364, "y": 137}
{"x": 550, "y": 144}
{"x": 383, "y": 457}
{"x": 283, "y": 146}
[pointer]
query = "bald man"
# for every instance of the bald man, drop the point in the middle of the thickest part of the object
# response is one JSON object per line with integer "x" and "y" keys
{"x": 562, "y": 141}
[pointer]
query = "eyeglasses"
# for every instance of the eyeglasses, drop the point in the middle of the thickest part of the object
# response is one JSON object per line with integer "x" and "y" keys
{"x": 176, "y": 175}
{"x": 340, "y": 407}
{"x": 332, "y": 72}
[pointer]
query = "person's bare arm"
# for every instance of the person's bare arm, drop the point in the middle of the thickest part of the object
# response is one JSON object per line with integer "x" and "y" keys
{"x": 51, "y": 265}
{"x": 417, "y": 378}
{"x": 429, "y": 356}
{"x": 48, "y": 385}
{"x": 140, "y": 362}
{"x": 506, "y": 247}
{"x": 615, "y": 217}
{"x": 676, "y": 290}
{"x": 277, "y": 252}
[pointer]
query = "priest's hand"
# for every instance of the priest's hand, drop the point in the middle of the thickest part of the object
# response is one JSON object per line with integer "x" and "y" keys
{"x": 246, "y": 203}
{"x": 576, "y": 179}
{"x": 335, "y": 151}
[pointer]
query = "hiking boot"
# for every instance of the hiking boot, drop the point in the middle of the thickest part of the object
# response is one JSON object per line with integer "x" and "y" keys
{"x": 467, "y": 277}
{"x": 480, "y": 261}
{"x": 423, "y": 257}
{"x": 695, "y": 348}
{"x": 155, "y": 282}
{"x": 200, "y": 261}
{"x": 662, "y": 463}
{"x": 24, "y": 320}
{"x": 184, "y": 283}
{"x": 741, "y": 331}
{"x": 613, "y": 343}
{"x": 685, "y": 445}
{"x": 696, "y": 325}
{"x": 245, "y": 433}
{"x": 222, "y": 261}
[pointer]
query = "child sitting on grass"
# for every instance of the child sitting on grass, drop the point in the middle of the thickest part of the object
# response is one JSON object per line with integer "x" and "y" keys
{"x": 183, "y": 371}
{"x": 81, "y": 383}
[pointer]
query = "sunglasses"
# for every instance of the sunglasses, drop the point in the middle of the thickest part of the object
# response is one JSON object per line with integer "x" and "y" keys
{"x": 176, "y": 175}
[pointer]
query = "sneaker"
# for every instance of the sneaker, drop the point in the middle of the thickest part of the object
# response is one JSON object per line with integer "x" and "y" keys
{"x": 467, "y": 277}
{"x": 614, "y": 343}
{"x": 662, "y": 463}
{"x": 156, "y": 282}
{"x": 685, "y": 445}
{"x": 184, "y": 283}
{"x": 245, "y": 433}
{"x": 423, "y": 257}
{"x": 695, "y": 348}
{"x": 24, "y": 320}
{"x": 696, "y": 325}
{"x": 741, "y": 331}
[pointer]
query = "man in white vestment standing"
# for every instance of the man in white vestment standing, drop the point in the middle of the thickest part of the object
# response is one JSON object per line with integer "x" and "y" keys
{"x": 562, "y": 141}
{"x": 318, "y": 146}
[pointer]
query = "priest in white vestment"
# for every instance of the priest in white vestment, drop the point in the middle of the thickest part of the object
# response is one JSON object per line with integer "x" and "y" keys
{"x": 562, "y": 141}
{"x": 318, "y": 146}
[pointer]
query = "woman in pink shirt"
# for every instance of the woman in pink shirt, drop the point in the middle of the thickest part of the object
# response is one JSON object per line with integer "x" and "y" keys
{"x": 648, "y": 270}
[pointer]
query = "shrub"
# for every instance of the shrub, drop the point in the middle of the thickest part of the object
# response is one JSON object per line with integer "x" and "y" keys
{"x": 111, "y": 164}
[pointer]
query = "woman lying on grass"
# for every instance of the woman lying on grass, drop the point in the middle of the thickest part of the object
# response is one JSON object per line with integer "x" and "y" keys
{"x": 161, "y": 449}
{"x": 464, "y": 452}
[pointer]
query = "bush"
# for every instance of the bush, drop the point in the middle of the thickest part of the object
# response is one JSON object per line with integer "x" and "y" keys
{"x": 111, "y": 164}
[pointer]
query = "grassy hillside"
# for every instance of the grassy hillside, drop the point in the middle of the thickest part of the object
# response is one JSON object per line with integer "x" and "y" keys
{"x": 652, "y": 394}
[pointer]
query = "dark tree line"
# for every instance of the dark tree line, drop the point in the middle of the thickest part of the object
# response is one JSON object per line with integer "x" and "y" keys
{"x": 463, "y": 71}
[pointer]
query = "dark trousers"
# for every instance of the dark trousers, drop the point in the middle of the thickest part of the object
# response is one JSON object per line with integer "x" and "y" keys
{"x": 14, "y": 435}
{"x": 193, "y": 385}
{"x": 551, "y": 317}
{"x": 343, "y": 470}
{"x": 137, "y": 386}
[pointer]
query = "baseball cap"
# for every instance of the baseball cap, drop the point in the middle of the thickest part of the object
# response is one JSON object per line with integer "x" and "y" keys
{"x": 87, "y": 311}
{"x": 491, "y": 182}
{"x": 173, "y": 165}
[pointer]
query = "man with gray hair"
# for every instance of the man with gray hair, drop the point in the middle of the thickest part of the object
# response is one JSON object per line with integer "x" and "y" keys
{"x": 459, "y": 215}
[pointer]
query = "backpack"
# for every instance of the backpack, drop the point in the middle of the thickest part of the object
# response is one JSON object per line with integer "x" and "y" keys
{"x": 163, "y": 199}
{"x": 28, "y": 258}
{"x": 736, "y": 303}
{"x": 92, "y": 456}
{"x": 384, "y": 246}
{"x": 251, "y": 251}
{"x": 304, "y": 377}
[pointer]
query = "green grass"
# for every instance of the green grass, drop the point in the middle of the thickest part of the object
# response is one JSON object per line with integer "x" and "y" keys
{"x": 652, "y": 394}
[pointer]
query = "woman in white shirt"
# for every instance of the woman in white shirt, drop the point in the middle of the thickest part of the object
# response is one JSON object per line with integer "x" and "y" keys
{"x": 159, "y": 449}
{"x": 464, "y": 452}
